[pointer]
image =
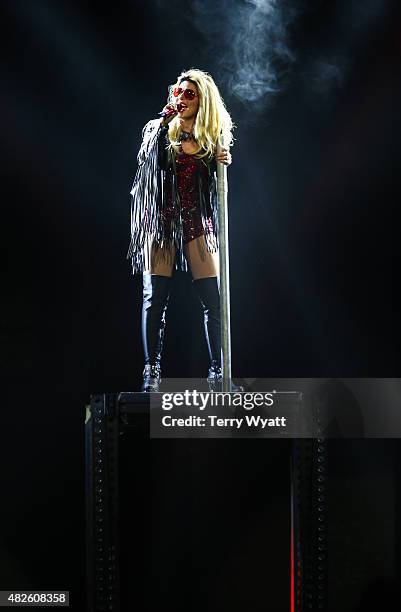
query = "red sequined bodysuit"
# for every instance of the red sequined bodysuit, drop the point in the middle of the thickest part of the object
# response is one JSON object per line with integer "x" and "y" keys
{"x": 187, "y": 167}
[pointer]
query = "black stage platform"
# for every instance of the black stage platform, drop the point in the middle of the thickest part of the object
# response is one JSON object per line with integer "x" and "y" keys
{"x": 223, "y": 524}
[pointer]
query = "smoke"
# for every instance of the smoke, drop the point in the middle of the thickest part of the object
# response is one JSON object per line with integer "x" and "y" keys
{"x": 250, "y": 50}
{"x": 249, "y": 40}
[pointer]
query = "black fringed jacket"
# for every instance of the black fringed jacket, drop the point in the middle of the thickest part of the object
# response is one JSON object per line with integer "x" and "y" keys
{"x": 154, "y": 179}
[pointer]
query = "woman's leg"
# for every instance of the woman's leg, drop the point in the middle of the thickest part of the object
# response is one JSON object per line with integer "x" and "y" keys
{"x": 159, "y": 260}
{"x": 202, "y": 263}
{"x": 159, "y": 263}
{"x": 205, "y": 268}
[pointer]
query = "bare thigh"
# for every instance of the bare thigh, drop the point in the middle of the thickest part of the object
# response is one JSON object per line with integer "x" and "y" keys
{"x": 159, "y": 260}
{"x": 202, "y": 263}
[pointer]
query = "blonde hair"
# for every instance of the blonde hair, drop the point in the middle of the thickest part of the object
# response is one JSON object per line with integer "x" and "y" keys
{"x": 212, "y": 120}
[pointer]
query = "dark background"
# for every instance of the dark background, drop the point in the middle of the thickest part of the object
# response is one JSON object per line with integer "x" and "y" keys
{"x": 314, "y": 244}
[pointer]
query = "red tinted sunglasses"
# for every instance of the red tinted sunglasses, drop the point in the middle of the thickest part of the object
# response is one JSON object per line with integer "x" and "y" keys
{"x": 189, "y": 94}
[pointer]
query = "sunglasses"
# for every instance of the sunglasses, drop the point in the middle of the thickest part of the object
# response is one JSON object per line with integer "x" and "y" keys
{"x": 189, "y": 94}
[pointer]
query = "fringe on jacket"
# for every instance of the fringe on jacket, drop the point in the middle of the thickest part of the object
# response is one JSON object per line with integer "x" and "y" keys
{"x": 155, "y": 177}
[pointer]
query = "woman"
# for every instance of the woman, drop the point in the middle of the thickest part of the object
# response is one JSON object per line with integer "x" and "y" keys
{"x": 174, "y": 211}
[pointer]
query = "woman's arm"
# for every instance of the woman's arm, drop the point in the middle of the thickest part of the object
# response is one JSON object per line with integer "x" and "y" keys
{"x": 150, "y": 137}
{"x": 154, "y": 134}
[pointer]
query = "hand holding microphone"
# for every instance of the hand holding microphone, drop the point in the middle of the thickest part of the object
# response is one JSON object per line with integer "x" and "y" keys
{"x": 168, "y": 113}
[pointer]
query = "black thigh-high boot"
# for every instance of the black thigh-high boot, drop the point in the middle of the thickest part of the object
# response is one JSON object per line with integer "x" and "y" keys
{"x": 155, "y": 300}
{"x": 209, "y": 296}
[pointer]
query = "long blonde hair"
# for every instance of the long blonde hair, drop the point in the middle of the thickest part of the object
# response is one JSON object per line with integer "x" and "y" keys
{"x": 212, "y": 120}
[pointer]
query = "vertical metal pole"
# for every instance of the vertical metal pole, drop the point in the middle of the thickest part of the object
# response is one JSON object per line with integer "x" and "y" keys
{"x": 222, "y": 191}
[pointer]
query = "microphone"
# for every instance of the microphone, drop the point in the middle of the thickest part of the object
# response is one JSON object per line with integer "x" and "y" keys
{"x": 167, "y": 112}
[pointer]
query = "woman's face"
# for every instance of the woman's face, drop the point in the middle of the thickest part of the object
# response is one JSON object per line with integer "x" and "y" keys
{"x": 188, "y": 108}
